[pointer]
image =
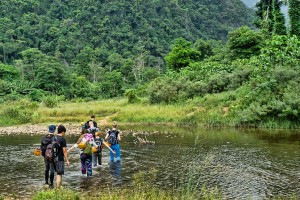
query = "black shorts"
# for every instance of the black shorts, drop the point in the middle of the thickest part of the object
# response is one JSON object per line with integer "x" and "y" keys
{"x": 59, "y": 167}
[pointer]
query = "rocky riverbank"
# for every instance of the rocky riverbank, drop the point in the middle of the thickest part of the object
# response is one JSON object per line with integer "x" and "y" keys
{"x": 38, "y": 129}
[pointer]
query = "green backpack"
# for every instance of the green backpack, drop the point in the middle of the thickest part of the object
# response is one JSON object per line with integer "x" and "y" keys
{"x": 88, "y": 149}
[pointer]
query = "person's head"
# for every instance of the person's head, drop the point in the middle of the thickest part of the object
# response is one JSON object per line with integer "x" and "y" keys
{"x": 52, "y": 128}
{"x": 91, "y": 123}
{"x": 61, "y": 129}
{"x": 97, "y": 134}
{"x": 114, "y": 124}
{"x": 93, "y": 117}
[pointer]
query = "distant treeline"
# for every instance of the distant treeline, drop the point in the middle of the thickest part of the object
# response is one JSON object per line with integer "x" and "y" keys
{"x": 162, "y": 51}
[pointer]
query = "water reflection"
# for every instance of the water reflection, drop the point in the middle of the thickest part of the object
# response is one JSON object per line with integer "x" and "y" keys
{"x": 115, "y": 171}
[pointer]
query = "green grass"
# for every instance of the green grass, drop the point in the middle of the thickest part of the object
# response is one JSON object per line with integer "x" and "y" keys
{"x": 118, "y": 110}
{"x": 56, "y": 194}
{"x": 207, "y": 111}
{"x": 143, "y": 188}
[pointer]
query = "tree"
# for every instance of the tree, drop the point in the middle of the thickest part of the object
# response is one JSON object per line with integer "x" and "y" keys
{"x": 50, "y": 76}
{"x": 31, "y": 60}
{"x": 181, "y": 55}
{"x": 204, "y": 47}
{"x": 294, "y": 14}
{"x": 9, "y": 72}
{"x": 270, "y": 18}
{"x": 244, "y": 43}
{"x": 111, "y": 86}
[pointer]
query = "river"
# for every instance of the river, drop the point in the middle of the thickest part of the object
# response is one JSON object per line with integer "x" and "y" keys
{"x": 243, "y": 164}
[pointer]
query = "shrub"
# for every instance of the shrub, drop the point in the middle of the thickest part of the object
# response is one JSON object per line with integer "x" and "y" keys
{"x": 37, "y": 95}
{"x": 131, "y": 95}
{"x": 18, "y": 112}
{"x": 52, "y": 101}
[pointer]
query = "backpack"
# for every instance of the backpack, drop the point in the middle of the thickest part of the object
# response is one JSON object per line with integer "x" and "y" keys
{"x": 47, "y": 139}
{"x": 51, "y": 153}
{"x": 98, "y": 142}
{"x": 93, "y": 131}
{"x": 113, "y": 134}
{"x": 86, "y": 125}
{"x": 88, "y": 149}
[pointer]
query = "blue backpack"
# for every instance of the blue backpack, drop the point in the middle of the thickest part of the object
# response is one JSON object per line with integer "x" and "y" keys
{"x": 113, "y": 135}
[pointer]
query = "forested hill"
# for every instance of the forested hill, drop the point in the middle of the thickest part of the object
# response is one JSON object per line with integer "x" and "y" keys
{"x": 63, "y": 28}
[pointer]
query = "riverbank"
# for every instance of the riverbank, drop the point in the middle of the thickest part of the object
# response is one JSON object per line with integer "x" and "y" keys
{"x": 37, "y": 129}
{"x": 207, "y": 113}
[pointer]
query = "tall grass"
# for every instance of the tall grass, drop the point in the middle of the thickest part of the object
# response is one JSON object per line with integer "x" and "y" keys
{"x": 207, "y": 111}
{"x": 56, "y": 194}
{"x": 119, "y": 110}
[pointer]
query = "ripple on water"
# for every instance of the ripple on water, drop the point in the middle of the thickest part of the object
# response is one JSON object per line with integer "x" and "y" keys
{"x": 239, "y": 170}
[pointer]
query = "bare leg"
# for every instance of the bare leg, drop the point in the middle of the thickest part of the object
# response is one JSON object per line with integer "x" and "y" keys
{"x": 58, "y": 180}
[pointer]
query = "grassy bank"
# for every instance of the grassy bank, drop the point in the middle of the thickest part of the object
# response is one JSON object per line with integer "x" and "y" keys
{"x": 209, "y": 111}
{"x": 191, "y": 113}
{"x": 150, "y": 193}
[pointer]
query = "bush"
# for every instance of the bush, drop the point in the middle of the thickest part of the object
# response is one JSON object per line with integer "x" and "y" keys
{"x": 131, "y": 95}
{"x": 52, "y": 101}
{"x": 37, "y": 95}
{"x": 19, "y": 113}
{"x": 169, "y": 89}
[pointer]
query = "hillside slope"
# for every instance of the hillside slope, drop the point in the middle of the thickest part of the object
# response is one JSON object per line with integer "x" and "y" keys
{"x": 63, "y": 28}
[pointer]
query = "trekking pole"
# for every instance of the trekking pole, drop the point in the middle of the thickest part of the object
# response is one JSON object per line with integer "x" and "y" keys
{"x": 105, "y": 143}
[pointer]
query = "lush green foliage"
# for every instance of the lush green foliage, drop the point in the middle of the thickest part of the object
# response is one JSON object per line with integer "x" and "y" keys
{"x": 17, "y": 112}
{"x": 157, "y": 52}
{"x": 272, "y": 92}
{"x": 294, "y": 13}
{"x": 270, "y": 19}
{"x": 99, "y": 49}
{"x": 244, "y": 43}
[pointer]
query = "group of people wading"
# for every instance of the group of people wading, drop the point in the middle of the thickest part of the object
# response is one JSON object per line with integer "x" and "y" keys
{"x": 55, "y": 153}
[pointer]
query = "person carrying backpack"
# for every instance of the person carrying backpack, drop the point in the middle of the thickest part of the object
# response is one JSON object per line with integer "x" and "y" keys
{"x": 93, "y": 119}
{"x": 85, "y": 143}
{"x": 97, "y": 155}
{"x": 60, "y": 154}
{"x": 114, "y": 136}
{"x": 49, "y": 167}
{"x": 87, "y": 124}
{"x": 92, "y": 129}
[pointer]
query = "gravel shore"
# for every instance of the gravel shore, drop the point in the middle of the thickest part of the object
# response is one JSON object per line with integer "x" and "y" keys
{"x": 37, "y": 129}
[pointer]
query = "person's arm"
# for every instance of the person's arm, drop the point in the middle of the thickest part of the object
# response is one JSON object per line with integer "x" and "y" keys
{"x": 107, "y": 135}
{"x": 42, "y": 142}
{"x": 66, "y": 155}
{"x": 79, "y": 139}
{"x": 119, "y": 135}
{"x": 74, "y": 146}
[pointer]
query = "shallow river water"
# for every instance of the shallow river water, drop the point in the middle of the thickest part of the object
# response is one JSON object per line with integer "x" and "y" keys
{"x": 243, "y": 164}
